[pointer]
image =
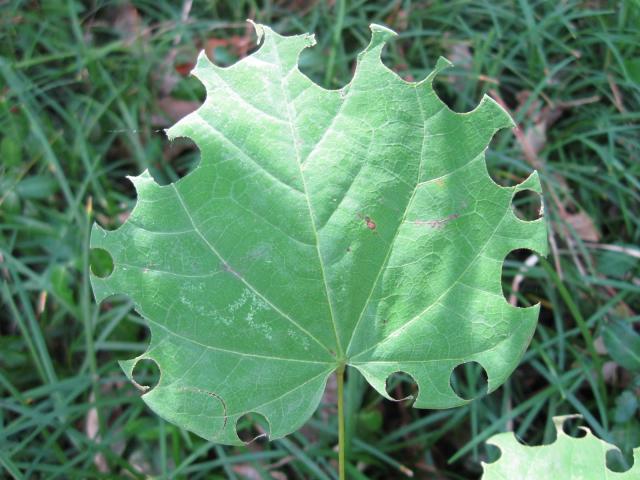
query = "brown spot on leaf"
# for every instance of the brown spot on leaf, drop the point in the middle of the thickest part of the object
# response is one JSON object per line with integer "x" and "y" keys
{"x": 371, "y": 225}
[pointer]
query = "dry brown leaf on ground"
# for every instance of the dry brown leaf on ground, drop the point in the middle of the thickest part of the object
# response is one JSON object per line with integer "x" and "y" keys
{"x": 127, "y": 21}
{"x": 459, "y": 53}
{"x": 173, "y": 109}
{"x": 91, "y": 428}
{"x": 583, "y": 225}
{"x": 532, "y": 140}
{"x": 238, "y": 45}
{"x": 301, "y": 7}
{"x": 251, "y": 473}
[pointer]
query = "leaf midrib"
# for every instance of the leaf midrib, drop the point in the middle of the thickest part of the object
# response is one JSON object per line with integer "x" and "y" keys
{"x": 404, "y": 216}
{"x": 296, "y": 142}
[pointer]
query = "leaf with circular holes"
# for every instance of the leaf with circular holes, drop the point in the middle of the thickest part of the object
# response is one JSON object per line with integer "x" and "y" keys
{"x": 567, "y": 458}
{"x": 322, "y": 228}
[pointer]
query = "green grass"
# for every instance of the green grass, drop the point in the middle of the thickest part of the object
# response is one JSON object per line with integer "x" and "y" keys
{"x": 80, "y": 110}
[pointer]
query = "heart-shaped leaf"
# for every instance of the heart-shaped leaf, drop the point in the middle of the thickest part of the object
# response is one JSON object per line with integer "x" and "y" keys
{"x": 322, "y": 229}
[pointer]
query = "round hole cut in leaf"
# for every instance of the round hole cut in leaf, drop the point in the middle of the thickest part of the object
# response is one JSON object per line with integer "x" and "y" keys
{"x": 322, "y": 228}
{"x": 567, "y": 458}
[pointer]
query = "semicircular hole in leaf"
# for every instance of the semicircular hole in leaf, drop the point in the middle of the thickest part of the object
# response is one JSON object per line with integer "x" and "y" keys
{"x": 146, "y": 374}
{"x": 527, "y": 205}
{"x": 530, "y": 433}
{"x": 181, "y": 155}
{"x": 311, "y": 64}
{"x": 252, "y": 427}
{"x": 469, "y": 380}
{"x": 574, "y": 427}
{"x": 313, "y": 61}
{"x": 619, "y": 462}
{"x": 392, "y": 57}
{"x": 401, "y": 386}
{"x": 519, "y": 287}
{"x": 443, "y": 87}
{"x": 499, "y": 162}
{"x": 492, "y": 453}
{"x": 227, "y": 51}
{"x": 100, "y": 262}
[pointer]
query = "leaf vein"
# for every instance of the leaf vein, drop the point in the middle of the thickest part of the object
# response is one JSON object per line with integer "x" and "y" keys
{"x": 240, "y": 150}
{"x": 296, "y": 143}
{"x": 240, "y": 277}
{"x": 232, "y": 352}
{"x": 442, "y": 295}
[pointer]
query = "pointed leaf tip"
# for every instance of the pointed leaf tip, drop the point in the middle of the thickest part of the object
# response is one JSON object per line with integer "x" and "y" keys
{"x": 382, "y": 31}
{"x": 310, "y": 39}
{"x": 284, "y": 49}
{"x": 202, "y": 64}
{"x": 379, "y": 35}
{"x": 259, "y": 29}
{"x": 532, "y": 182}
{"x": 264, "y": 31}
{"x": 492, "y": 112}
{"x": 441, "y": 64}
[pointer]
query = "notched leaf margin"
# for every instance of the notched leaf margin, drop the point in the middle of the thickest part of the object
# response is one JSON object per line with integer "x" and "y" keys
{"x": 508, "y": 441}
{"x": 103, "y": 287}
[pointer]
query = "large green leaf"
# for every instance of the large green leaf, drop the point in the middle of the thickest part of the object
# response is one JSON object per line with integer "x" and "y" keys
{"x": 567, "y": 458}
{"x": 322, "y": 228}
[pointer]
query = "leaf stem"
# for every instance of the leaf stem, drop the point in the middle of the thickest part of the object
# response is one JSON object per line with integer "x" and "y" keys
{"x": 341, "y": 435}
